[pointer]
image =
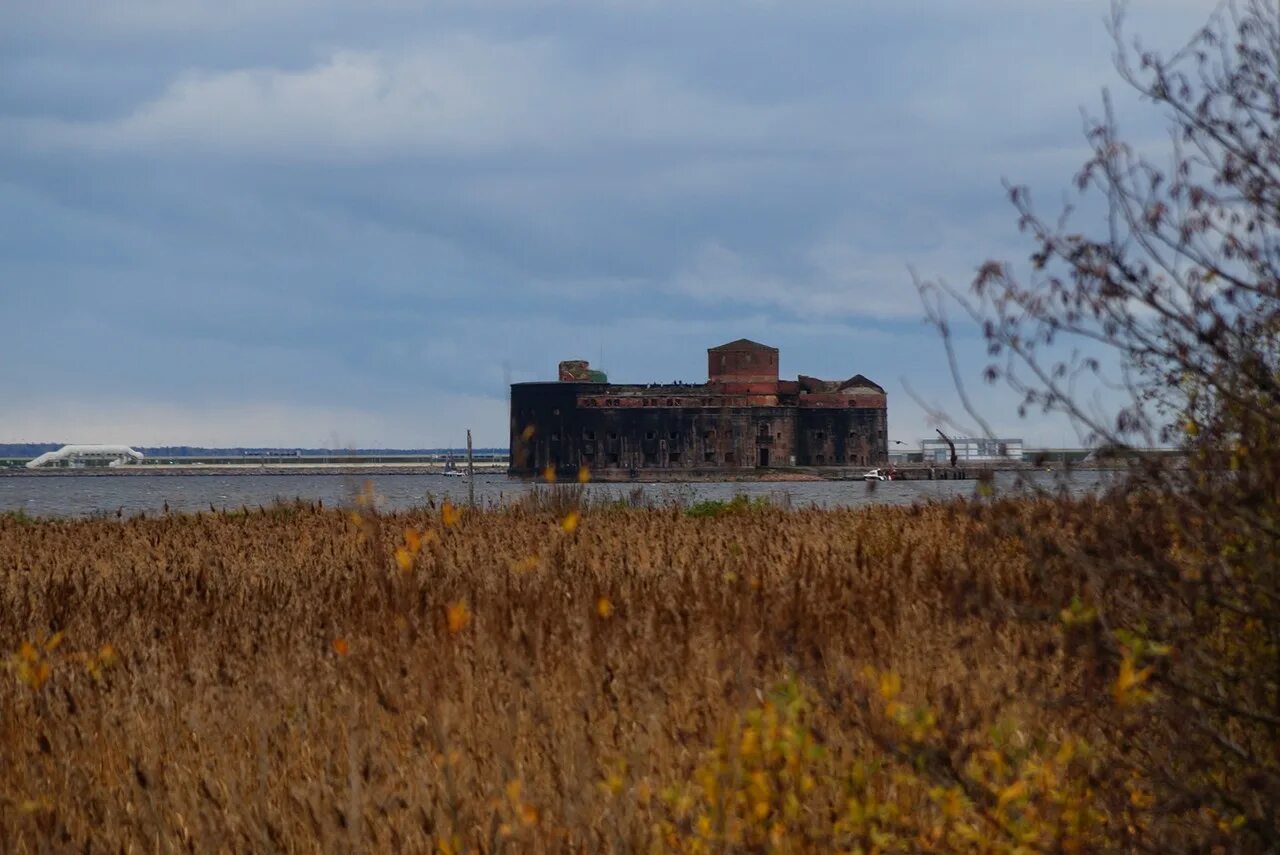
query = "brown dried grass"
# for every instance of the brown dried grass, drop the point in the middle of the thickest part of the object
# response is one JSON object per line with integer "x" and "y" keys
{"x": 282, "y": 683}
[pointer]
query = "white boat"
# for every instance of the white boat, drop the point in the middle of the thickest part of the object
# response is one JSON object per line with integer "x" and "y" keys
{"x": 876, "y": 475}
{"x": 454, "y": 473}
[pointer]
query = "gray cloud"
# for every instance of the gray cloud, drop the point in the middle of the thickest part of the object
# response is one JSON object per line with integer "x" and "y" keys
{"x": 381, "y": 211}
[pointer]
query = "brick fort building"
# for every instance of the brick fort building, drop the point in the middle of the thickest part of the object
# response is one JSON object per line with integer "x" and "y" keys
{"x": 742, "y": 418}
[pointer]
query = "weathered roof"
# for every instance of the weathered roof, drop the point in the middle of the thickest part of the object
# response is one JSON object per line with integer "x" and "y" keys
{"x": 859, "y": 381}
{"x": 743, "y": 344}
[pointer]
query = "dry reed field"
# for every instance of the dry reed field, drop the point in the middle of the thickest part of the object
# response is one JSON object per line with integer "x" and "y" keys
{"x": 543, "y": 679}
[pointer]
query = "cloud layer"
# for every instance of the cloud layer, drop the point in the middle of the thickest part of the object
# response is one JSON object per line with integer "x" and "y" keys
{"x": 287, "y": 221}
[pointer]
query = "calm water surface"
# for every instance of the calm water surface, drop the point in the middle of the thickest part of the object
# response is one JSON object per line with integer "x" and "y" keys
{"x": 84, "y": 495}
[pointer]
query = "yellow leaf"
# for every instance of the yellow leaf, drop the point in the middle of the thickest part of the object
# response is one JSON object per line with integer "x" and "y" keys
{"x": 612, "y": 783}
{"x": 549, "y": 474}
{"x": 1014, "y": 791}
{"x": 890, "y": 685}
{"x": 53, "y": 642}
{"x": 527, "y": 433}
{"x": 412, "y": 540}
{"x": 1128, "y": 682}
{"x": 777, "y": 834}
{"x": 604, "y": 608}
{"x": 403, "y": 559}
{"x": 40, "y": 674}
{"x": 341, "y": 647}
{"x": 458, "y": 616}
{"x": 449, "y": 515}
{"x": 570, "y": 522}
{"x": 584, "y": 474}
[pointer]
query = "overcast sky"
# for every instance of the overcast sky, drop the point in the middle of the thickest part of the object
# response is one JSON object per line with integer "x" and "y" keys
{"x": 315, "y": 222}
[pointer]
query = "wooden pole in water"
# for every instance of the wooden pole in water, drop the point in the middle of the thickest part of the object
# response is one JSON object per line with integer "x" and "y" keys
{"x": 471, "y": 474}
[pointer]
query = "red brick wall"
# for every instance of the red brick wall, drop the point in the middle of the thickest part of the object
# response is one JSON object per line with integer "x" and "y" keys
{"x": 750, "y": 366}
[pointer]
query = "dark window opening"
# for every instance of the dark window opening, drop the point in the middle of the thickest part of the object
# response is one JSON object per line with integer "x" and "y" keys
{"x": 612, "y": 435}
{"x": 674, "y": 457}
{"x": 649, "y": 434}
{"x": 763, "y": 459}
{"x": 764, "y": 429}
{"x": 822, "y": 458}
{"x": 708, "y": 434}
{"x": 673, "y": 435}
{"x": 650, "y": 458}
{"x": 819, "y": 436}
{"x": 613, "y": 459}
{"x": 709, "y": 457}
{"x": 728, "y": 457}
{"x": 853, "y": 434}
{"x": 671, "y": 402}
{"x": 588, "y": 434}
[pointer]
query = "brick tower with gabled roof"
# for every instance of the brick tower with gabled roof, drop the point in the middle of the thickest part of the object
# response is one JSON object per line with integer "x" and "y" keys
{"x": 743, "y": 361}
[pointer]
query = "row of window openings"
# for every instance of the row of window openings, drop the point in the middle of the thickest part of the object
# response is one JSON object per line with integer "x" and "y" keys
{"x": 729, "y": 457}
{"x": 651, "y": 459}
{"x": 820, "y": 436}
{"x": 853, "y": 434}
{"x": 648, "y": 402}
{"x": 590, "y": 435}
{"x": 645, "y": 402}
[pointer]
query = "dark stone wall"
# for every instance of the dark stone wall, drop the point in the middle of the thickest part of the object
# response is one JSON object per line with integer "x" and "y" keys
{"x": 853, "y": 436}
{"x": 542, "y": 413}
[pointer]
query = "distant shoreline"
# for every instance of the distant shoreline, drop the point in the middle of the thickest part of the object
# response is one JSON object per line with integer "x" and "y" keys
{"x": 248, "y": 469}
{"x": 914, "y": 472}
